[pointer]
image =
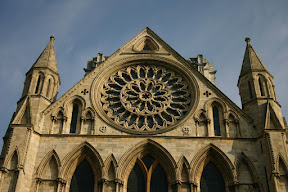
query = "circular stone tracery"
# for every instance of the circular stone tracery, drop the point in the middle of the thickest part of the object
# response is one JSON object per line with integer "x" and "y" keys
{"x": 145, "y": 97}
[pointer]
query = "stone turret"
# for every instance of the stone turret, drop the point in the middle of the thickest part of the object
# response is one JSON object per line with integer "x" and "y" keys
{"x": 41, "y": 85}
{"x": 256, "y": 88}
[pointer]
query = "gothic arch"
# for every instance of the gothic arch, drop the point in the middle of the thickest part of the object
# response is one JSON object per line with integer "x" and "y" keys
{"x": 213, "y": 154}
{"x": 76, "y": 156}
{"x": 199, "y": 113}
{"x": 10, "y": 156}
{"x": 143, "y": 148}
{"x": 110, "y": 159}
{"x": 57, "y": 110}
{"x": 278, "y": 161}
{"x": 10, "y": 175}
{"x": 87, "y": 110}
{"x": 216, "y": 100}
{"x": 263, "y": 85}
{"x": 182, "y": 161}
{"x": 231, "y": 112}
{"x": 69, "y": 102}
{"x": 48, "y": 87}
{"x": 46, "y": 160}
{"x": 38, "y": 89}
{"x": 243, "y": 157}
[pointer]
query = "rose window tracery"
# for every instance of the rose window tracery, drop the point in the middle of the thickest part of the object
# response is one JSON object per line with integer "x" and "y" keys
{"x": 145, "y": 97}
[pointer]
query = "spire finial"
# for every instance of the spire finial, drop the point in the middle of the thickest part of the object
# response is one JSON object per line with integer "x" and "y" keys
{"x": 247, "y": 39}
{"x": 52, "y": 38}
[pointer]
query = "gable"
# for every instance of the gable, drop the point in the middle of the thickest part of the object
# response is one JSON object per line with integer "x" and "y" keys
{"x": 177, "y": 90}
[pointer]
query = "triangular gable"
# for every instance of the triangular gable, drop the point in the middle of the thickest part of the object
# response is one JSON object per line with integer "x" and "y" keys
{"x": 271, "y": 120}
{"x": 158, "y": 48}
{"x": 147, "y": 39}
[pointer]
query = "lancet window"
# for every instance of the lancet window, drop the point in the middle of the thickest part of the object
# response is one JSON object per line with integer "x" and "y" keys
{"x": 216, "y": 121}
{"x": 74, "y": 118}
{"x": 83, "y": 178}
{"x": 147, "y": 176}
{"x": 211, "y": 179}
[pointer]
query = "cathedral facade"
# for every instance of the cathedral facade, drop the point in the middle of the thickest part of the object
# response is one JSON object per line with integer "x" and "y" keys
{"x": 145, "y": 119}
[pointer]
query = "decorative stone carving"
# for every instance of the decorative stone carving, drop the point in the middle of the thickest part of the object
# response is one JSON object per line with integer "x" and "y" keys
{"x": 145, "y": 97}
{"x": 103, "y": 129}
{"x": 185, "y": 130}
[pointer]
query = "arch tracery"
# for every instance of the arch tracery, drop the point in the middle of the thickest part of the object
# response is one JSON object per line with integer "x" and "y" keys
{"x": 153, "y": 149}
{"x": 213, "y": 154}
{"x": 84, "y": 151}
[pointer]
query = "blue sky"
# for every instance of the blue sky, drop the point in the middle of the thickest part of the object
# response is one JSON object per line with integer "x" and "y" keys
{"x": 216, "y": 29}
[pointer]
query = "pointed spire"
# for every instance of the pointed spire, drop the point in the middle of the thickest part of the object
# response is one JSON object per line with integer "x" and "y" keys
{"x": 47, "y": 59}
{"x": 251, "y": 61}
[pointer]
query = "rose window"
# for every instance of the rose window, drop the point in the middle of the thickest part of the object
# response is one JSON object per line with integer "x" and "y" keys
{"x": 145, "y": 98}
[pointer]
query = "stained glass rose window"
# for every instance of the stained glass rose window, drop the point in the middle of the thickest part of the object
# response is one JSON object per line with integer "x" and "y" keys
{"x": 145, "y": 97}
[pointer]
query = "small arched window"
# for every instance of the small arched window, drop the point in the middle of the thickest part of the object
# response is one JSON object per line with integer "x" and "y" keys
{"x": 216, "y": 121}
{"x": 37, "y": 90}
{"x": 74, "y": 118}
{"x": 48, "y": 87}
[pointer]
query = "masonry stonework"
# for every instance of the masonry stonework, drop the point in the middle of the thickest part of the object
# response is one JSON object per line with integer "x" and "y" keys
{"x": 145, "y": 112}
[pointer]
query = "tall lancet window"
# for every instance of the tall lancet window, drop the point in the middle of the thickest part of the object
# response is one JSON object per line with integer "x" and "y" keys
{"x": 83, "y": 178}
{"x": 38, "y": 86}
{"x": 48, "y": 87}
{"x": 74, "y": 119}
{"x": 216, "y": 121}
{"x": 211, "y": 179}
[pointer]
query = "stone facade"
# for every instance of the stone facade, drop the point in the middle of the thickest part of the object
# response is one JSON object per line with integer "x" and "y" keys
{"x": 145, "y": 100}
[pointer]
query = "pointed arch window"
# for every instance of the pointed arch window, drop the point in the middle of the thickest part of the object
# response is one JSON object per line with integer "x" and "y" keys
{"x": 216, "y": 121}
{"x": 83, "y": 178}
{"x": 37, "y": 90}
{"x": 10, "y": 178}
{"x": 211, "y": 179}
{"x": 147, "y": 176}
{"x": 74, "y": 118}
{"x": 48, "y": 87}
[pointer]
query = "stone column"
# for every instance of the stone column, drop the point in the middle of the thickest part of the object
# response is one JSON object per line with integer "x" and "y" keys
{"x": 82, "y": 119}
{"x": 226, "y": 125}
{"x": 119, "y": 185}
{"x": 176, "y": 186}
{"x": 101, "y": 185}
{"x": 37, "y": 184}
{"x": 208, "y": 121}
{"x": 275, "y": 178}
{"x": 193, "y": 186}
{"x": 19, "y": 179}
{"x": 3, "y": 171}
{"x": 238, "y": 128}
{"x": 63, "y": 131}
{"x": 54, "y": 119}
{"x": 61, "y": 183}
{"x": 196, "y": 127}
